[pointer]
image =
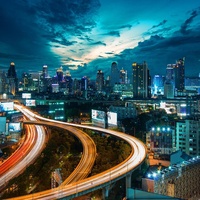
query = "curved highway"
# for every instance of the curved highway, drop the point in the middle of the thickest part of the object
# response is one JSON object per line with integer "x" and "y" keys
{"x": 24, "y": 155}
{"x": 88, "y": 155}
{"x": 134, "y": 160}
{"x": 18, "y": 154}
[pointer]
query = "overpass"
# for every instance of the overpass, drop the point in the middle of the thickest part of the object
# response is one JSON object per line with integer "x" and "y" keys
{"x": 88, "y": 155}
{"x": 102, "y": 180}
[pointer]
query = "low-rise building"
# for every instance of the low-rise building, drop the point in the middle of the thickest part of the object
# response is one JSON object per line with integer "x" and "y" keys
{"x": 124, "y": 111}
{"x": 161, "y": 140}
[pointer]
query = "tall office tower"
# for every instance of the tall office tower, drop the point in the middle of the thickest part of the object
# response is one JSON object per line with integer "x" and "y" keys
{"x": 1, "y": 85}
{"x": 158, "y": 85}
{"x": 179, "y": 73}
{"x": 123, "y": 76}
{"x": 84, "y": 86}
{"x": 170, "y": 72}
{"x": 12, "y": 78}
{"x": 141, "y": 80}
{"x": 69, "y": 81}
{"x": 84, "y": 83}
{"x": 100, "y": 81}
{"x": 45, "y": 71}
{"x": 169, "y": 84}
{"x": 2, "y": 82}
{"x": 59, "y": 74}
{"x": 169, "y": 89}
{"x": 114, "y": 76}
{"x": 26, "y": 82}
{"x": 11, "y": 71}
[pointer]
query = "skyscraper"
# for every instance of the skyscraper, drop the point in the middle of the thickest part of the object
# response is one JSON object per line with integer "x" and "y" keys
{"x": 84, "y": 86}
{"x": 45, "y": 71}
{"x": 114, "y": 76}
{"x": 12, "y": 78}
{"x": 179, "y": 73}
{"x": 169, "y": 89}
{"x": 100, "y": 80}
{"x": 141, "y": 80}
{"x": 59, "y": 74}
{"x": 69, "y": 81}
{"x": 123, "y": 76}
{"x": 2, "y": 82}
{"x": 158, "y": 85}
{"x": 11, "y": 71}
{"x": 170, "y": 72}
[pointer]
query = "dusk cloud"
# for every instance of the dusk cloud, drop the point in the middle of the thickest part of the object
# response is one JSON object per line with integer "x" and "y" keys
{"x": 160, "y": 24}
{"x": 185, "y": 25}
{"x": 87, "y": 35}
{"x": 114, "y": 33}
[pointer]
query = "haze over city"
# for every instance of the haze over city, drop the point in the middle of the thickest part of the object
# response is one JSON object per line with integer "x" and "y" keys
{"x": 84, "y": 36}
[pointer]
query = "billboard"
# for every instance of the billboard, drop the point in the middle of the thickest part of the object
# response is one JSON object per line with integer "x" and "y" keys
{"x": 14, "y": 127}
{"x": 6, "y": 106}
{"x": 26, "y": 95}
{"x": 16, "y": 116}
{"x": 2, "y": 124}
{"x": 112, "y": 118}
{"x": 98, "y": 118}
{"x": 182, "y": 110}
{"x": 30, "y": 102}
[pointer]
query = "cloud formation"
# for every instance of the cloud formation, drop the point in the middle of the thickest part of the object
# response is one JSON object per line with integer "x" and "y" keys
{"x": 87, "y": 35}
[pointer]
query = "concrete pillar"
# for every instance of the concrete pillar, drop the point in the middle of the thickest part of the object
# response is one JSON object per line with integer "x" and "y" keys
{"x": 105, "y": 191}
{"x": 128, "y": 182}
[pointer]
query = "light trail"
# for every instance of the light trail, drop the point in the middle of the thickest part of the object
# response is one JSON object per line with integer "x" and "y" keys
{"x": 135, "y": 159}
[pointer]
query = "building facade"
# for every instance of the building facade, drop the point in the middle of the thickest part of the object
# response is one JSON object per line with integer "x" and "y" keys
{"x": 182, "y": 180}
{"x": 100, "y": 81}
{"x": 161, "y": 140}
{"x": 12, "y": 79}
{"x": 179, "y": 73}
{"x": 188, "y": 136}
{"x": 141, "y": 80}
{"x": 114, "y": 76}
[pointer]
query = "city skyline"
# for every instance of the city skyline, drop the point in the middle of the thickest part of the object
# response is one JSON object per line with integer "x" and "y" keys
{"x": 87, "y": 36}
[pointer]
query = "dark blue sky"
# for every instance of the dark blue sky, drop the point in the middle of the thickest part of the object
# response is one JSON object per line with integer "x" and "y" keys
{"x": 86, "y": 35}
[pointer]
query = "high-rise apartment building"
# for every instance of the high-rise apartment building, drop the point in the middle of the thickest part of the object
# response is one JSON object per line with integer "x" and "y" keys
{"x": 141, "y": 80}
{"x": 100, "y": 81}
{"x": 114, "y": 76}
{"x": 188, "y": 136}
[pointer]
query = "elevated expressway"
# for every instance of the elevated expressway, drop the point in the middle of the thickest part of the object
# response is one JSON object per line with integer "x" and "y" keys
{"x": 101, "y": 180}
{"x": 33, "y": 144}
{"x": 27, "y": 152}
{"x": 88, "y": 155}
